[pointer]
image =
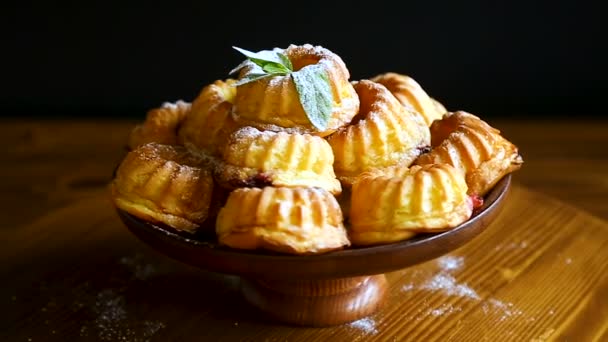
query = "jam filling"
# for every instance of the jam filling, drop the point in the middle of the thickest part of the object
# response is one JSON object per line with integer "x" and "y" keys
{"x": 259, "y": 180}
{"x": 477, "y": 201}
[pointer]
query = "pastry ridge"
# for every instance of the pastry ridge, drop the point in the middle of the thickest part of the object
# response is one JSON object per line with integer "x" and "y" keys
{"x": 161, "y": 125}
{"x": 410, "y": 93}
{"x": 428, "y": 198}
{"x": 471, "y": 145}
{"x": 259, "y": 158}
{"x": 287, "y": 220}
{"x": 273, "y": 103}
{"x": 209, "y": 122}
{"x": 384, "y": 133}
{"x": 164, "y": 184}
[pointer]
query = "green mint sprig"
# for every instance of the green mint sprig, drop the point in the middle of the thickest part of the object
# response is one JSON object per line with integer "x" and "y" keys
{"x": 272, "y": 64}
{"x": 312, "y": 82}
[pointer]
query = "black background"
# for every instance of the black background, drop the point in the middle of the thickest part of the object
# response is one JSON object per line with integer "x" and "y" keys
{"x": 506, "y": 58}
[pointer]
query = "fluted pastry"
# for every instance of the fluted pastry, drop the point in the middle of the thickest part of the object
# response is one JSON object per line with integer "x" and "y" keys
{"x": 384, "y": 133}
{"x": 468, "y": 143}
{"x": 344, "y": 199}
{"x": 164, "y": 184}
{"x": 207, "y": 126}
{"x": 255, "y": 158}
{"x": 248, "y": 164}
{"x": 288, "y": 220}
{"x": 439, "y": 108}
{"x": 273, "y": 103}
{"x": 161, "y": 125}
{"x": 397, "y": 202}
{"x": 410, "y": 93}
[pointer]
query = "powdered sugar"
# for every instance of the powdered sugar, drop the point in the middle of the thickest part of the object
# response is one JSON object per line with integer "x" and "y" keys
{"x": 407, "y": 287}
{"x": 112, "y": 319}
{"x": 367, "y": 325}
{"x": 112, "y": 323}
{"x": 444, "y": 309}
{"x": 445, "y": 282}
{"x": 450, "y": 263}
{"x": 248, "y": 133}
{"x": 506, "y": 310}
{"x": 110, "y": 310}
{"x": 448, "y": 285}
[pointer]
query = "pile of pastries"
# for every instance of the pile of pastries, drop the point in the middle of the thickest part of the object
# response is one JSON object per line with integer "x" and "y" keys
{"x": 244, "y": 164}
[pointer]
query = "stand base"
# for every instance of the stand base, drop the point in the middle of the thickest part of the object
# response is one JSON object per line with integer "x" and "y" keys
{"x": 316, "y": 302}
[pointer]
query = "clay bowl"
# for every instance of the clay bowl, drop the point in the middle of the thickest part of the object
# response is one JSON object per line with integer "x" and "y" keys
{"x": 318, "y": 290}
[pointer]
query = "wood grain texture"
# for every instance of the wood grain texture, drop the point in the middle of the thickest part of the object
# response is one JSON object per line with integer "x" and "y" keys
{"x": 72, "y": 271}
{"x": 538, "y": 272}
{"x": 566, "y": 159}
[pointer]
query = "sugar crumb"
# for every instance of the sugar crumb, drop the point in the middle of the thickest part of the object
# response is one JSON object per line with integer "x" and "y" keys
{"x": 367, "y": 325}
{"x": 506, "y": 309}
{"x": 450, "y": 263}
{"x": 112, "y": 322}
{"x": 447, "y": 284}
{"x": 444, "y": 309}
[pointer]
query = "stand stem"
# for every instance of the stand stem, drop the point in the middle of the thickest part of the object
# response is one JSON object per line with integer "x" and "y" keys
{"x": 316, "y": 302}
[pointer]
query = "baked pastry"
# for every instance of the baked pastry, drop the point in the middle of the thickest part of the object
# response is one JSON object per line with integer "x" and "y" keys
{"x": 468, "y": 143}
{"x": 255, "y": 158}
{"x": 273, "y": 103}
{"x": 439, "y": 107}
{"x": 164, "y": 184}
{"x": 219, "y": 197}
{"x": 161, "y": 125}
{"x": 209, "y": 122}
{"x": 410, "y": 93}
{"x": 279, "y": 158}
{"x": 383, "y": 133}
{"x": 288, "y": 220}
{"x": 428, "y": 198}
{"x": 344, "y": 199}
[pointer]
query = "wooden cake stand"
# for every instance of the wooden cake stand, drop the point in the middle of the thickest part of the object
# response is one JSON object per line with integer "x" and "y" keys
{"x": 319, "y": 290}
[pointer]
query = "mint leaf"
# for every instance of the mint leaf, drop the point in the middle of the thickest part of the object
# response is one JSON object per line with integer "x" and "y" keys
{"x": 266, "y": 59}
{"x": 286, "y": 61}
{"x": 238, "y": 67}
{"x": 312, "y": 82}
{"x": 262, "y": 57}
{"x": 273, "y": 68}
{"x": 251, "y": 78}
{"x": 314, "y": 90}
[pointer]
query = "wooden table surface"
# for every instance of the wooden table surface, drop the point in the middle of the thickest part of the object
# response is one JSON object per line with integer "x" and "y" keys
{"x": 72, "y": 271}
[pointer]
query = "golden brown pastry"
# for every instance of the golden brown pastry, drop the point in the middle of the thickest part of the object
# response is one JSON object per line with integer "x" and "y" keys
{"x": 410, "y": 93}
{"x": 384, "y": 133}
{"x": 219, "y": 197}
{"x": 468, "y": 143}
{"x": 272, "y": 161}
{"x": 288, "y": 220}
{"x": 255, "y": 158}
{"x": 273, "y": 103}
{"x": 207, "y": 126}
{"x": 160, "y": 126}
{"x": 395, "y": 203}
{"x": 164, "y": 184}
{"x": 344, "y": 199}
{"x": 439, "y": 107}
